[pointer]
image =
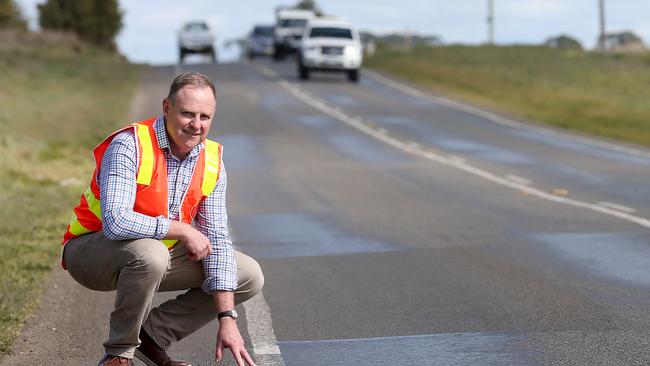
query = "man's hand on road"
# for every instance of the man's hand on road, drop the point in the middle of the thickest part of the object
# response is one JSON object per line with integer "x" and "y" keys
{"x": 198, "y": 245}
{"x": 229, "y": 337}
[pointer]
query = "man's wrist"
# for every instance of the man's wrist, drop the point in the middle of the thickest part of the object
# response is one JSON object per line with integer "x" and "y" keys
{"x": 232, "y": 313}
{"x": 223, "y": 300}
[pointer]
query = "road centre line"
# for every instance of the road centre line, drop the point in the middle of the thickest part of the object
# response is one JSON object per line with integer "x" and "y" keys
{"x": 616, "y": 206}
{"x": 365, "y": 127}
{"x": 501, "y": 120}
{"x": 518, "y": 179}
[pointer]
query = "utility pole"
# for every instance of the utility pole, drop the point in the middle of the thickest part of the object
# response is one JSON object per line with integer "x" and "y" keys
{"x": 490, "y": 21}
{"x": 602, "y": 39}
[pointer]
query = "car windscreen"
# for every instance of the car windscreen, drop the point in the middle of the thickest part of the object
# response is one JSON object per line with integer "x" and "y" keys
{"x": 330, "y": 32}
{"x": 293, "y": 23}
{"x": 196, "y": 27}
{"x": 263, "y": 31}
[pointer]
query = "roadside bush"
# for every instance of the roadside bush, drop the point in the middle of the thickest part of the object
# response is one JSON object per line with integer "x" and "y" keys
{"x": 11, "y": 16}
{"x": 95, "y": 21}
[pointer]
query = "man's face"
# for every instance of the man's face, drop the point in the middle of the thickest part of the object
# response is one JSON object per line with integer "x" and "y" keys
{"x": 188, "y": 119}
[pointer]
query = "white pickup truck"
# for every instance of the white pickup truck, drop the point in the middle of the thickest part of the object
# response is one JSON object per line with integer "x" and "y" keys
{"x": 289, "y": 27}
{"x": 330, "y": 45}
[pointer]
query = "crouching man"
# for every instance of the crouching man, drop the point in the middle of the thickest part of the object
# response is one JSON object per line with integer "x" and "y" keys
{"x": 132, "y": 232}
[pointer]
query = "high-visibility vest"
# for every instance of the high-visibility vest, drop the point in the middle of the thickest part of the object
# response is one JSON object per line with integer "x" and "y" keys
{"x": 151, "y": 196}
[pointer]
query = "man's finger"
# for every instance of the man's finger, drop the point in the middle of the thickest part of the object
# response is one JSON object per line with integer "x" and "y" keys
{"x": 248, "y": 358}
{"x": 218, "y": 352}
{"x": 240, "y": 361}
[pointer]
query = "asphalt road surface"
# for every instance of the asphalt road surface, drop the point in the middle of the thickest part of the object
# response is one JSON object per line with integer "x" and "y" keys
{"x": 399, "y": 228}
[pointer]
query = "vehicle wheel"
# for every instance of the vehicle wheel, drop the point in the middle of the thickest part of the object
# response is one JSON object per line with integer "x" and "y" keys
{"x": 181, "y": 56}
{"x": 303, "y": 72}
{"x": 353, "y": 75}
{"x": 278, "y": 54}
{"x": 251, "y": 56}
{"x": 213, "y": 56}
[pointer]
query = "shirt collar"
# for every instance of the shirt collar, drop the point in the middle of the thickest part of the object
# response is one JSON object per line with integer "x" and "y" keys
{"x": 163, "y": 139}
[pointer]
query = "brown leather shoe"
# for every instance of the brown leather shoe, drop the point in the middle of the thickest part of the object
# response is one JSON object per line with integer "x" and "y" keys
{"x": 152, "y": 355}
{"x": 109, "y": 360}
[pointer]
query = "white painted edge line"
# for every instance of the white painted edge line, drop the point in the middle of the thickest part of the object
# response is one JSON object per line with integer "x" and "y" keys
{"x": 502, "y": 120}
{"x": 260, "y": 326}
{"x": 518, "y": 179}
{"x": 265, "y": 71}
{"x": 364, "y": 127}
{"x": 616, "y": 206}
{"x": 456, "y": 158}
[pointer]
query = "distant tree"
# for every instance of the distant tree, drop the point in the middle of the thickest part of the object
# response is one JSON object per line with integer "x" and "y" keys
{"x": 95, "y": 21}
{"x": 564, "y": 42}
{"x": 11, "y": 16}
{"x": 309, "y": 5}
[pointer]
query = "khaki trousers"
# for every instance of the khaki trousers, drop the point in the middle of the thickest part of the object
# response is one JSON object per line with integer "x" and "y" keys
{"x": 137, "y": 269}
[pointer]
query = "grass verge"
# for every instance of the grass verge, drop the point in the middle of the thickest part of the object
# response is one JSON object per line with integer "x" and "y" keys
{"x": 599, "y": 94}
{"x": 58, "y": 97}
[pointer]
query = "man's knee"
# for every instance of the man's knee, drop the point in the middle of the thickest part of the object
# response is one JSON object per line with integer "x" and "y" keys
{"x": 150, "y": 256}
{"x": 251, "y": 278}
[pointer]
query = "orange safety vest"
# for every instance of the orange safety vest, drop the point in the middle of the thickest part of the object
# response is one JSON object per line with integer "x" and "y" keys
{"x": 151, "y": 196}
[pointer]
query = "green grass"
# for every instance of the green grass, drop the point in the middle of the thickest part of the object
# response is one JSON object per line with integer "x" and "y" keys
{"x": 57, "y": 99}
{"x": 599, "y": 94}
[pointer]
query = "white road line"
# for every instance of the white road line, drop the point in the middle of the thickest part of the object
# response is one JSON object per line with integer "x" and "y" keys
{"x": 260, "y": 326}
{"x": 518, "y": 179}
{"x": 413, "y": 145}
{"x": 617, "y": 206}
{"x": 428, "y": 154}
{"x": 501, "y": 120}
{"x": 456, "y": 159}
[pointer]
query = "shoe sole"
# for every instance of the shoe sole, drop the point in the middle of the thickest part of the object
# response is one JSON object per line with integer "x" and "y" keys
{"x": 144, "y": 358}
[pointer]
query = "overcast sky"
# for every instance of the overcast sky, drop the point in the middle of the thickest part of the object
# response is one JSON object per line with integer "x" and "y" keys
{"x": 149, "y": 32}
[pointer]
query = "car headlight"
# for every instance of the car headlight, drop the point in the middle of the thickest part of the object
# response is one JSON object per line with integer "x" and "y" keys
{"x": 351, "y": 50}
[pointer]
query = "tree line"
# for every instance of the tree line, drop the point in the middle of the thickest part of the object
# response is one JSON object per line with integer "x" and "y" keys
{"x": 95, "y": 21}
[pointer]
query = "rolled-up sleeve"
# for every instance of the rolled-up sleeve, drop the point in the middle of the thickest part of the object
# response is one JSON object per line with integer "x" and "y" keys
{"x": 117, "y": 184}
{"x": 212, "y": 220}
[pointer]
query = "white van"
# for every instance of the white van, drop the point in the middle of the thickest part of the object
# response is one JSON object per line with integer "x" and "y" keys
{"x": 289, "y": 27}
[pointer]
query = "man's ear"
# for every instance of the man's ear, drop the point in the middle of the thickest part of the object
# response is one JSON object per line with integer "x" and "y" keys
{"x": 165, "y": 105}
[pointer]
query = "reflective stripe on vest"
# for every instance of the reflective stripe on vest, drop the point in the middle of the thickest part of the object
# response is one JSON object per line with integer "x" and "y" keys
{"x": 75, "y": 226}
{"x": 212, "y": 167}
{"x": 145, "y": 171}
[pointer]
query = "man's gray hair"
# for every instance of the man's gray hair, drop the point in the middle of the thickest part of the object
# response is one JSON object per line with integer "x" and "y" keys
{"x": 193, "y": 79}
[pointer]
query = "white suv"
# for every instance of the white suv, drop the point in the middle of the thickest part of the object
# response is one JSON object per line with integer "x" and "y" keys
{"x": 330, "y": 45}
{"x": 196, "y": 37}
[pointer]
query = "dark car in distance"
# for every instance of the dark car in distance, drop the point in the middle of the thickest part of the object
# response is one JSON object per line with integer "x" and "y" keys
{"x": 260, "y": 41}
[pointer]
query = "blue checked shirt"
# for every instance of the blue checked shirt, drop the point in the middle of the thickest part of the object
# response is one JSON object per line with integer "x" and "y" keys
{"x": 117, "y": 183}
